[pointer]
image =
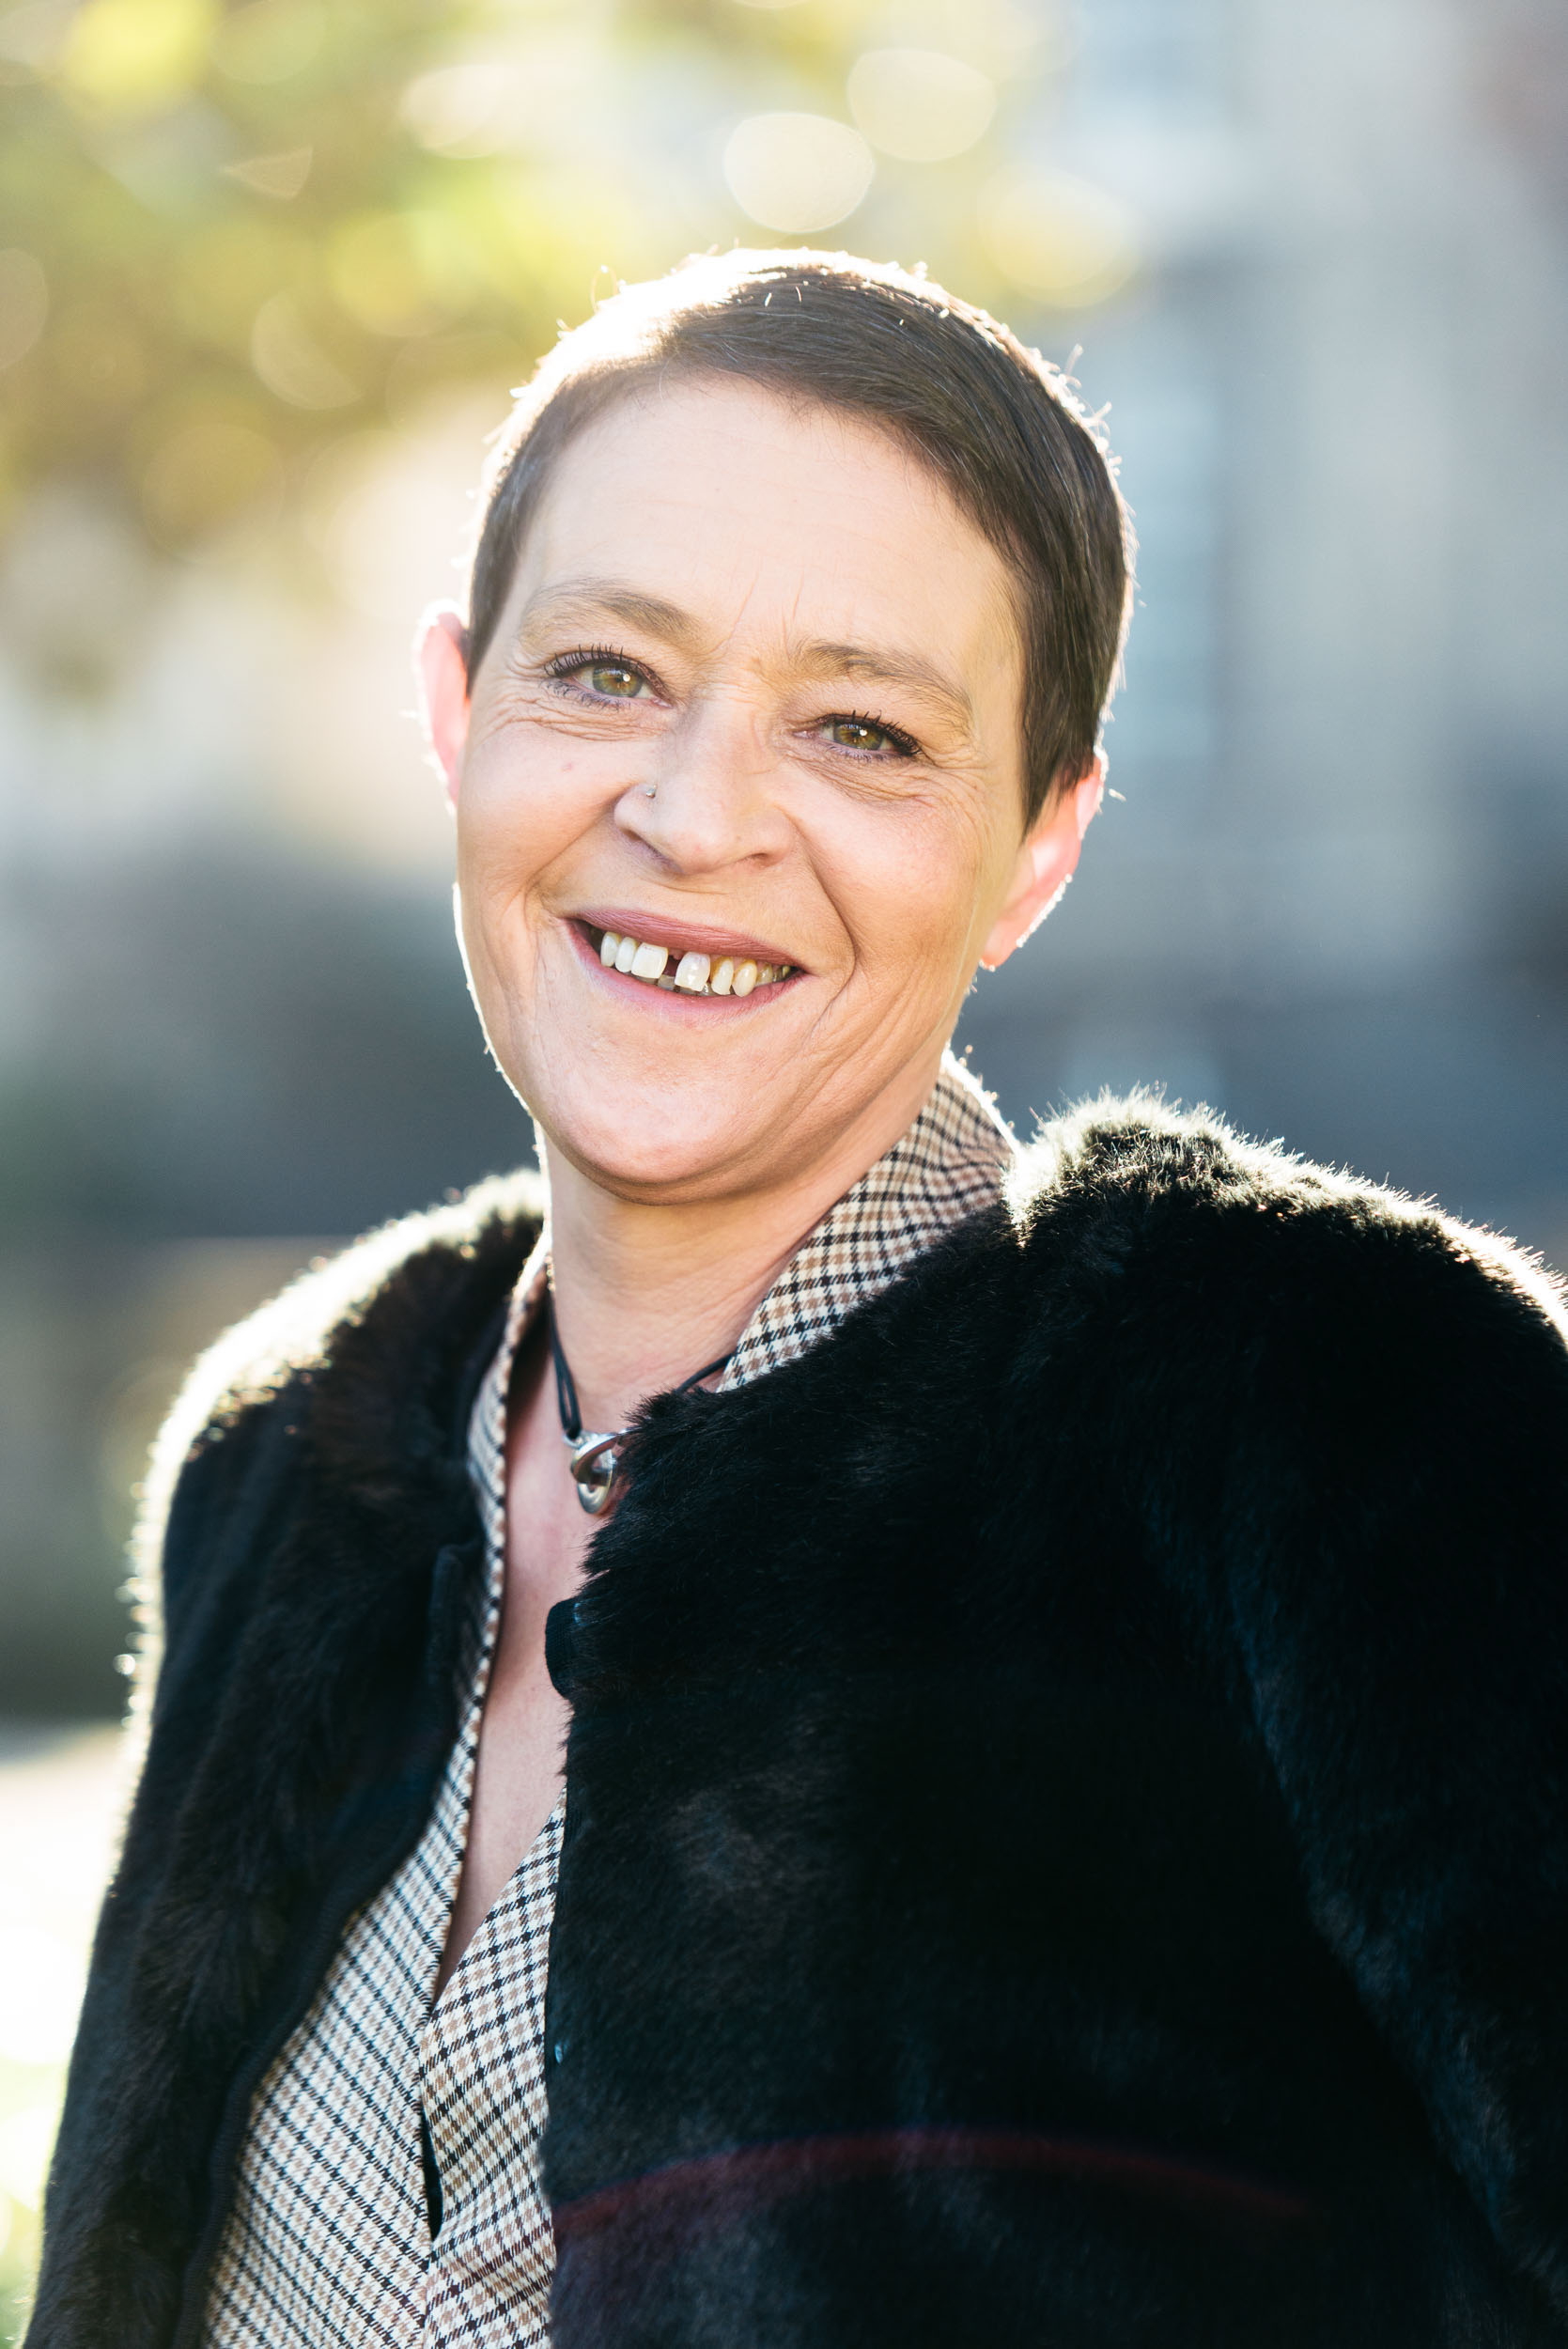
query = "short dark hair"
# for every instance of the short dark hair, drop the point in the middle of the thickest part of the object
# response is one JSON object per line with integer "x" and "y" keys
{"x": 1001, "y": 427}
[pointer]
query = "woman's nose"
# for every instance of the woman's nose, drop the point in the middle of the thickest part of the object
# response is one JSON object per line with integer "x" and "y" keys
{"x": 706, "y": 798}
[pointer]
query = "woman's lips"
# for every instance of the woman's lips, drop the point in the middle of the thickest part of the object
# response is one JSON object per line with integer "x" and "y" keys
{"x": 691, "y": 960}
{"x": 681, "y": 936}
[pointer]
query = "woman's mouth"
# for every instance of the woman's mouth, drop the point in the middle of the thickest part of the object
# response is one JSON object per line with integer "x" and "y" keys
{"x": 688, "y": 970}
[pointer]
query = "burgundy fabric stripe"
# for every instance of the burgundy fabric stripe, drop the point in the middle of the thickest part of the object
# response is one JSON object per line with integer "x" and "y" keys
{"x": 795, "y": 2165}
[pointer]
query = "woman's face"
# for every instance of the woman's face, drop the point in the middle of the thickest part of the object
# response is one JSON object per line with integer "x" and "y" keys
{"x": 755, "y": 698}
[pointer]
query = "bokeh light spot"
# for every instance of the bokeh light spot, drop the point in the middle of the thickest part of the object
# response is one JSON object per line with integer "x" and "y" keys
{"x": 132, "y": 54}
{"x": 1057, "y": 237}
{"x": 461, "y": 109}
{"x": 919, "y": 104}
{"x": 292, "y": 363}
{"x": 280, "y": 176}
{"x": 23, "y": 304}
{"x": 797, "y": 172}
{"x": 268, "y": 40}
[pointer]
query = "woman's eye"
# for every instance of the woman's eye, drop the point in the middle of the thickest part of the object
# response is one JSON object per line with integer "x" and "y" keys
{"x": 617, "y": 680}
{"x": 860, "y": 734}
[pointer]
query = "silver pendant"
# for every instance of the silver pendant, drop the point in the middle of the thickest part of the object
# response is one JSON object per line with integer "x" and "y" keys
{"x": 594, "y": 1461}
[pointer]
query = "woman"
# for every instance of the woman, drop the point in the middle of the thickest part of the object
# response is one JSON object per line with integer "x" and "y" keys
{"x": 870, "y": 1737}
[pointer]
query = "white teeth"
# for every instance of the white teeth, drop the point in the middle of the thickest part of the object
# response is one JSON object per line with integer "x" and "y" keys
{"x": 694, "y": 973}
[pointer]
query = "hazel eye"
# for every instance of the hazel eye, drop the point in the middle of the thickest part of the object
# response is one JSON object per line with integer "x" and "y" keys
{"x": 616, "y": 680}
{"x": 864, "y": 734}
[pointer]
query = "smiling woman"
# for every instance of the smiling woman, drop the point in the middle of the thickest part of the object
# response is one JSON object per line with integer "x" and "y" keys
{"x": 821, "y": 1728}
{"x": 801, "y": 746}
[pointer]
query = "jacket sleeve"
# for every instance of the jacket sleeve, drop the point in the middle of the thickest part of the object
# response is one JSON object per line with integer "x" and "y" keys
{"x": 1396, "y": 1530}
{"x": 220, "y": 1443}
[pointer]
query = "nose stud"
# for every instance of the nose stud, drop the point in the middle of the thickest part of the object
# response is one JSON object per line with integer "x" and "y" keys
{"x": 650, "y": 791}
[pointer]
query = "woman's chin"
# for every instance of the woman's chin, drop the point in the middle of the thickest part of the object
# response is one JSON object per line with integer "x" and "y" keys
{"x": 653, "y": 1151}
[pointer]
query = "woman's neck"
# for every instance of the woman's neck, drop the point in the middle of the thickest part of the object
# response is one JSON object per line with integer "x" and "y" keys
{"x": 646, "y": 1295}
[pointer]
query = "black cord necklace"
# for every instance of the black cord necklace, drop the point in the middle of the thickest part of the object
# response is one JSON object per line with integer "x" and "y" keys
{"x": 596, "y": 1458}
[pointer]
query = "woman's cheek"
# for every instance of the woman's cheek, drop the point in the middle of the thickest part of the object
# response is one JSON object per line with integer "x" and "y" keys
{"x": 920, "y": 904}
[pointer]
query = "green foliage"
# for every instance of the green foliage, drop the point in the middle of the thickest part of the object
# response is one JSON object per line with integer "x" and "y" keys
{"x": 230, "y": 236}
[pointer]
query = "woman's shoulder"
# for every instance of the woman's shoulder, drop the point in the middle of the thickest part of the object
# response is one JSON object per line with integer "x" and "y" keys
{"x": 1211, "y": 1318}
{"x": 1201, "y": 1220}
{"x": 1325, "y": 1402}
{"x": 410, "y": 1271}
{"x": 397, "y": 1311}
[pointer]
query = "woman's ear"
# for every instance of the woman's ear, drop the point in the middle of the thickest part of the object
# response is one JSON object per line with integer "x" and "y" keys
{"x": 440, "y": 671}
{"x": 1046, "y": 863}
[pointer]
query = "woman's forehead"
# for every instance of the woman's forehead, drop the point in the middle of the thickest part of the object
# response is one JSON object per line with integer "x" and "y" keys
{"x": 699, "y": 503}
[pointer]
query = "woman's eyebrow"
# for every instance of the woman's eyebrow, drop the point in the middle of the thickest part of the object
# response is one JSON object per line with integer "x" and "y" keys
{"x": 587, "y": 600}
{"x": 881, "y": 665}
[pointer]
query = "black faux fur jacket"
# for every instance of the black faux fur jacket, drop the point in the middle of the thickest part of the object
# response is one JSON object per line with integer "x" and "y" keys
{"x": 1066, "y": 1840}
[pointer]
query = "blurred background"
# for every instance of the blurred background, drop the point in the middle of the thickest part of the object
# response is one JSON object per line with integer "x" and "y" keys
{"x": 267, "y": 272}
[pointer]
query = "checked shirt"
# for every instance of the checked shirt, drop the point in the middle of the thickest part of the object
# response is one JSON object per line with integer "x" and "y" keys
{"x": 329, "y": 2242}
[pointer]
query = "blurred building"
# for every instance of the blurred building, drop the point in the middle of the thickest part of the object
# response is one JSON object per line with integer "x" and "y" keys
{"x": 1331, "y": 899}
{"x": 1335, "y": 900}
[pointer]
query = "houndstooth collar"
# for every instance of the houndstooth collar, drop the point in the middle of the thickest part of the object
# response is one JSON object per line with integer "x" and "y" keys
{"x": 949, "y": 1164}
